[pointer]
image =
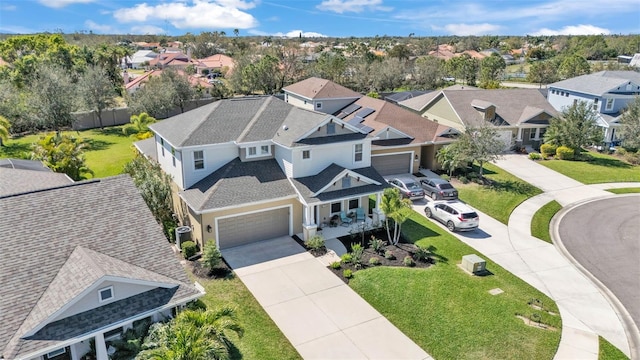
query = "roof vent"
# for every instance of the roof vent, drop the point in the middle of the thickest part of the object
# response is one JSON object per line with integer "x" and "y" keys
{"x": 285, "y": 127}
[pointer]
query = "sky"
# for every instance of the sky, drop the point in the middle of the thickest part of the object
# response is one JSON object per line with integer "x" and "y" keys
{"x": 316, "y": 18}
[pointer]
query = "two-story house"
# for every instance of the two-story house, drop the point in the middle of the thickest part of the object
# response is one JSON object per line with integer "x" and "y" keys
{"x": 607, "y": 92}
{"x": 254, "y": 168}
{"x": 520, "y": 116}
{"x": 81, "y": 263}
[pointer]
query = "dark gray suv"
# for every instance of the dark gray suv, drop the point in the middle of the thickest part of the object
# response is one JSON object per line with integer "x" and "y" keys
{"x": 439, "y": 189}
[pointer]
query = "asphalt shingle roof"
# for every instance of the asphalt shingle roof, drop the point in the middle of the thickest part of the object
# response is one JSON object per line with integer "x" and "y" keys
{"x": 147, "y": 147}
{"x": 597, "y": 83}
{"x": 418, "y": 103}
{"x": 23, "y": 164}
{"x": 44, "y": 228}
{"x": 16, "y": 181}
{"x": 317, "y": 88}
{"x": 238, "y": 183}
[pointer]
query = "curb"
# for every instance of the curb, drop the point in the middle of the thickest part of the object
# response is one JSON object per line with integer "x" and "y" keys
{"x": 629, "y": 326}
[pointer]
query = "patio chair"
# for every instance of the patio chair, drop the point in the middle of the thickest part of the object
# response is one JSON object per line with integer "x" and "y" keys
{"x": 346, "y": 221}
{"x": 359, "y": 214}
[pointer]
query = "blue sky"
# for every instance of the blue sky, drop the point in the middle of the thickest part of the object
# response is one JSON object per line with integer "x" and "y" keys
{"x": 335, "y": 18}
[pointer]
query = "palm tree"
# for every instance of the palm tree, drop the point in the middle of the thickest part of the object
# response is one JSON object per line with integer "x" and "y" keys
{"x": 139, "y": 125}
{"x": 397, "y": 209}
{"x": 4, "y": 129}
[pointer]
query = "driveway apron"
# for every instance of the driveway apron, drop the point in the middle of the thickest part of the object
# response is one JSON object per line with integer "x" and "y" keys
{"x": 320, "y": 315}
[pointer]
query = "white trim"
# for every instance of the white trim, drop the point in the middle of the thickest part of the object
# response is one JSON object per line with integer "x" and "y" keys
{"x": 208, "y": 211}
{"x": 359, "y": 198}
{"x": 193, "y": 156}
{"x": 355, "y": 151}
{"x": 391, "y": 128}
{"x": 342, "y": 174}
{"x": 345, "y": 198}
{"x": 57, "y": 352}
{"x": 606, "y": 106}
{"x": 318, "y": 105}
{"x": 218, "y": 218}
{"x": 101, "y": 299}
{"x": 412, "y": 156}
{"x": 309, "y": 152}
{"x": 326, "y": 121}
{"x": 258, "y": 154}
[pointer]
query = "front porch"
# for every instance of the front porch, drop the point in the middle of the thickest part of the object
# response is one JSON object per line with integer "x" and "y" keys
{"x": 329, "y": 232}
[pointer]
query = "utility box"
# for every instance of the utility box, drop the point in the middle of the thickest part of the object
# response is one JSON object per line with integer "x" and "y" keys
{"x": 473, "y": 263}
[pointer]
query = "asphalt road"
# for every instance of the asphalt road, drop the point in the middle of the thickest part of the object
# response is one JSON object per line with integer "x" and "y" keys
{"x": 604, "y": 237}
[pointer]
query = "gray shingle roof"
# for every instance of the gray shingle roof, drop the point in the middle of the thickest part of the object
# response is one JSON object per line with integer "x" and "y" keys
{"x": 106, "y": 216}
{"x": 238, "y": 183}
{"x": 309, "y": 185}
{"x": 317, "y": 88}
{"x": 418, "y": 103}
{"x": 23, "y": 164}
{"x": 597, "y": 83}
{"x": 16, "y": 181}
{"x": 147, "y": 147}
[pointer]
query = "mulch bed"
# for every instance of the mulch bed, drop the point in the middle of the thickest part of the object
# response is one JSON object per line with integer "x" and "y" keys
{"x": 222, "y": 271}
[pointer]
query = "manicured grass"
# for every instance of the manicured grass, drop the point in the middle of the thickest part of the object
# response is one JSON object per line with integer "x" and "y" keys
{"x": 108, "y": 151}
{"x": 541, "y": 220}
{"x": 607, "y": 351}
{"x": 449, "y": 313}
{"x": 625, "y": 190}
{"x": 499, "y": 199}
{"x": 262, "y": 339}
{"x": 599, "y": 168}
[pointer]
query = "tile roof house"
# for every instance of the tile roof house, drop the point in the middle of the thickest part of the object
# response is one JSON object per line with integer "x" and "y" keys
{"x": 255, "y": 168}
{"x": 607, "y": 92}
{"x": 519, "y": 115}
{"x": 90, "y": 262}
{"x": 217, "y": 62}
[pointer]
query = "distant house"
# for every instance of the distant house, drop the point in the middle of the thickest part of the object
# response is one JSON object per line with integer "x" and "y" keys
{"x": 320, "y": 95}
{"x": 176, "y": 60}
{"x": 142, "y": 57}
{"x": 136, "y": 83}
{"x": 215, "y": 63}
{"x": 90, "y": 262}
{"x": 607, "y": 92}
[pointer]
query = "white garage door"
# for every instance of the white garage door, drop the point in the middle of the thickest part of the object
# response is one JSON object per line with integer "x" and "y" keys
{"x": 392, "y": 164}
{"x": 245, "y": 229}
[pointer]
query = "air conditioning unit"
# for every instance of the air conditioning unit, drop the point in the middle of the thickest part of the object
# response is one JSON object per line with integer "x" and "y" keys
{"x": 473, "y": 263}
{"x": 183, "y": 233}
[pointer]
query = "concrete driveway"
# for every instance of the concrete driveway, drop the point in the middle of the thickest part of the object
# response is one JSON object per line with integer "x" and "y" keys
{"x": 319, "y": 314}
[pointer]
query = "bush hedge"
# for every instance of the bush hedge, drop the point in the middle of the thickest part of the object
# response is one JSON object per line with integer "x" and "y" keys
{"x": 189, "y": 249}
{"x": 548, "y": 150}
{"x": 564, "y": 153}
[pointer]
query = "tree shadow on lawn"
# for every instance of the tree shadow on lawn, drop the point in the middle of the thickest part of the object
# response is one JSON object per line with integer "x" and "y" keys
{"x": 16, "y": 150}
{"x": 95, "y": 145}
{"x": 606, "y": 162}
{"x": 413, "y": 231}
{"x": 112, "y": 131}
{"x": 516, "y": 187}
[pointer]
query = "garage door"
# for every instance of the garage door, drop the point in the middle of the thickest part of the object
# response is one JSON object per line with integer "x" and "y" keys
{"x": 392, "y": 164}
{"x": 245, "y": 229}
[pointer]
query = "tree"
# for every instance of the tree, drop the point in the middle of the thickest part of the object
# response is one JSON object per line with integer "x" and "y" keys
{"x": 451, "y": 158}
{"x": 397, "y": 209}
{"x": 51, "y": 96}
{"x": 477, "y": 144}
{"x": 386, "y": 75}
{"x": 193, "y": 335}
{"x": 62, "y": 154}
{"x": 629, "y": 126}
{"x": 399, "y": 51}
{"x": 181, "y": 85}
{"x": 4, "y": 129}
{"x": 211, "y": 256}
{"x": 542, "y": 72}
{"x": 491, "y": 68}
{"x": 155, "y": 98}
{"x": 573, "y": 66}
{"x": 574, "y": 128}
{"x": 464, "y": 67}
{"x": 139, "y": 126}
{"x": 95, "y": 91}
{"x": 428, "y": 72}
{"x": 155, "y": 187}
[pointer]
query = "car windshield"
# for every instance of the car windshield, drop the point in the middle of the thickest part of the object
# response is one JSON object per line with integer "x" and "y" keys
{"x": 446, "y": 186}
{"x": 471, "y": 215}
{"x": 412, "y": 186}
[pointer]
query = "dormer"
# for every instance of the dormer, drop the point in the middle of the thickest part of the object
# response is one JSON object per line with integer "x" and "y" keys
{"x": 487, "y": 108}
{"x": 256, "y": 151}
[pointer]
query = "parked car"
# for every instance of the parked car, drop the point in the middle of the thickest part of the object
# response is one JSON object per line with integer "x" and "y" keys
{"x": 455, "y": 214}
{"x": 408, "y": 188}
{"x": 439, "y": 189}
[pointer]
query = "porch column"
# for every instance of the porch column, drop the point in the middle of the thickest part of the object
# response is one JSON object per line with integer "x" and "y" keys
{"x": 309, "y": 227}
{"x": 519, "y": 138}
{"x": 537, "y": 133}
{"x": 74, "y": 352}
{"x": 378, "y": 215}
{"x": 101, "y": 347}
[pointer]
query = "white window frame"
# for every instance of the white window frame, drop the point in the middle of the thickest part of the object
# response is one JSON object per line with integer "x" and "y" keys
{"x": 609, "y": 105}
{"x": 254, "y": 149}
{"x": 101, "y": 299}
{"x": 162, "y": 146}
{"x": 331, "y": 207}
{"x": 308, "y": 154}
{"x": 265, "y": 150}
{"x": 57, "y": 352}
{"x": 198, "y": 160}
{"x": 346, "y": 181}
{"x": 331, "y": 126}
{"x": 319, "y": 106}
{"x": 349, "y": 203}
{"x": 356, "y": 153}
{"x": 532, "y": 134}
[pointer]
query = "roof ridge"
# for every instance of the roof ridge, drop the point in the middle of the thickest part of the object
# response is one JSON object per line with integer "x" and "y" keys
{"x": 79, "y": 183}
{"x": 218, "y": 183}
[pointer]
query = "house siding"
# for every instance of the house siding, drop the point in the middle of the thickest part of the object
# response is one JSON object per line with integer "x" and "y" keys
{"x": 214, "y": 158}
{"x": 299, "y": 101}
{"x": 330, "y": 106}
{"x": 443, "y": 113}
{"x": 166, "y": 161}
{"x": 324, "y": 155}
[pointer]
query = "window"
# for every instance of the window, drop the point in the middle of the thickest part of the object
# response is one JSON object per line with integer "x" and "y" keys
{"x": 105, "y": 294}
{"x": 609, "y": 104}
{"x": 336, "y": 207}
{"x": 264, "y": 150}
{"x": 55, "y": 353}
{"x": 162, "y": 146}
{"x": 306, "y": 154}
{"x": 319, "y": 105}
{"x": 346, "y": 182}
{"x": 174, "y": 161}
{"x": 198, "y": 160}
{"x": 331, "y": 128}
{"x": 252, "y": 151}
{"x": 173, "y": 153}
{"x": 566, "y": 94}
{"x": 358, "y": 153}
{"x": 111, "y": 334}
{"x": 595, "y": 104}
{"x": 354, "y": 203}
{"x": 532, "y": 134}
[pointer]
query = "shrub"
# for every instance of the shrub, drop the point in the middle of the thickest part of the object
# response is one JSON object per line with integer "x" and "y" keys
{"x": 564, "y": 153}
{"x": 632, "y": 158}
{"x": 389, "y": 255}
{"x": 348, "y": 274}
{"x": 421, "y": 254}
{"x": 445, "y": 177}
{"x": 356, "y": 253}
{"x": 346, "y": 258}
{"x": 211, "y": 256}
{"x": 189, "y": 249}
{"x": 548, "y": 150}
{"x": 464, "y": 179}
{"x": 535, "y": 156}
{"x": 375, "y": 261}
{"x": 335, "y": 265}
{"x": 408, "y": 261}
{"x": 316, "y": 242}
{"x": 376, "y": 244}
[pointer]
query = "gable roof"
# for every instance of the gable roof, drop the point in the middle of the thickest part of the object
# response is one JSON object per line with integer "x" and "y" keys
{"x": 103, "y": 216}
{"x": 598, "y": 83}
{"x": 512, "y": 106}
{"x": 418, "y": 103}
{"x": 216, "y": 61}
{"x": 317, "y": 88}
{"x": 397, "y": 97}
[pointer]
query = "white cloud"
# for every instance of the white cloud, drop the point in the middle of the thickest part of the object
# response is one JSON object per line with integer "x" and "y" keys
{"x": 470, "y": 29}
{"x": 356, "y": 6}
{"x": 207, "y": 14}
{"x": 574, "y": 30}
{"x": 97, "y": 28}
{"x": 146, "y": 29}
{"x": 62, "y": 3}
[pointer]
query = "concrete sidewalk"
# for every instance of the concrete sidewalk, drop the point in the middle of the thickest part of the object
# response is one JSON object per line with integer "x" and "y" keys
{"x": 322, "y": 317}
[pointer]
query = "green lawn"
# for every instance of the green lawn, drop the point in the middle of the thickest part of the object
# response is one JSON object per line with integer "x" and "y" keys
{"x": 625, "y": 190}
{"x": 108, "y": 149}
{"x": 451, "y": 314}
{"x": 262, "y": 339}
{"x": 541, "y": 220}
{"x": 607, "y": 351}
{"x": 600, "y": 168}
{"x": 499, "y": 199}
